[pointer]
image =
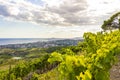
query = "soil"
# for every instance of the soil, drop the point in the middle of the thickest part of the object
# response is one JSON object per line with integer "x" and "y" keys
{"x": 115, "y": 71}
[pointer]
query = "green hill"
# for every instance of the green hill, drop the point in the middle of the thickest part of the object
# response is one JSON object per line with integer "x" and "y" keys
{"x": 91, "y": 59}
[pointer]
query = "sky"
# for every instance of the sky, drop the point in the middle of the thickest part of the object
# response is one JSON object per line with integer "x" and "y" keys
{"x": 53, "y": 18}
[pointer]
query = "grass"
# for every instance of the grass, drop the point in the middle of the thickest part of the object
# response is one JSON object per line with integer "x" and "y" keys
{"x": 50, "y": 75}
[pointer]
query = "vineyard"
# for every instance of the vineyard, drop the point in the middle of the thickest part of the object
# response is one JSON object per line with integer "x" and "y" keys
{"x": 95, "y": 61}
{"x": 91, "y": 59}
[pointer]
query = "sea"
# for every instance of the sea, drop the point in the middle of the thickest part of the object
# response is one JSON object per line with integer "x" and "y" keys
{"x": 6, "y": 41}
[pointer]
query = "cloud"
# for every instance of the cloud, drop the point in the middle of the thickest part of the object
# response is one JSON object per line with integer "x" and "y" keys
{"x": 100, "y": 10}
{"x": 4, "y": 11}
{"x": 76, "y": 31}
{"x": 58, "y": 12}
{"x": 62, "y": 15}
{"x": 73, "y": 12}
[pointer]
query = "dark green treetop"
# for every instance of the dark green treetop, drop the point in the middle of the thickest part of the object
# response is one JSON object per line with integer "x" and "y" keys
{"x": 112, "y": 23}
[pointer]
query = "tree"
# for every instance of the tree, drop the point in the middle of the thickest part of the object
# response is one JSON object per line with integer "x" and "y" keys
{"x": 112, "y": 23}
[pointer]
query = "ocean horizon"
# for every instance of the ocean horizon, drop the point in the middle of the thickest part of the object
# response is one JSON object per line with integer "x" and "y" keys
{"x": 6, "y": 41}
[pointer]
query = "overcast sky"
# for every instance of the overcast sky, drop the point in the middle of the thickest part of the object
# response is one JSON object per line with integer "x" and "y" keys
{"x": 53, "y": 18}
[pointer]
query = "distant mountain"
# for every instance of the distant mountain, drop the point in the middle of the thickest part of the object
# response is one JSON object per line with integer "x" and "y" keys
{"x": 51, "y": 42}
{"x": 78, "y": 38}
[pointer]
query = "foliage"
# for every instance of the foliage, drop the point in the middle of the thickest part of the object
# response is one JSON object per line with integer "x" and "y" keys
{"x": 89, "y": 60}
{"x": 107, "y": 25}
{"x": 94, "y": 64}
{"x": 24, "y": 68}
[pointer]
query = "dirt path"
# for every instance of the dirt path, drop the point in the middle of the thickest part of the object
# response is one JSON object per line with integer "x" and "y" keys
{"x": 115, "y": 71}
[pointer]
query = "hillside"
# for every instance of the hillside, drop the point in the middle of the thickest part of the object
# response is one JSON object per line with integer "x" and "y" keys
{"x": 96, "y": 57}
{"x": 91, "y": 59}
{"x": 59, "y": 40}
{"x": 44, "y": 44}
